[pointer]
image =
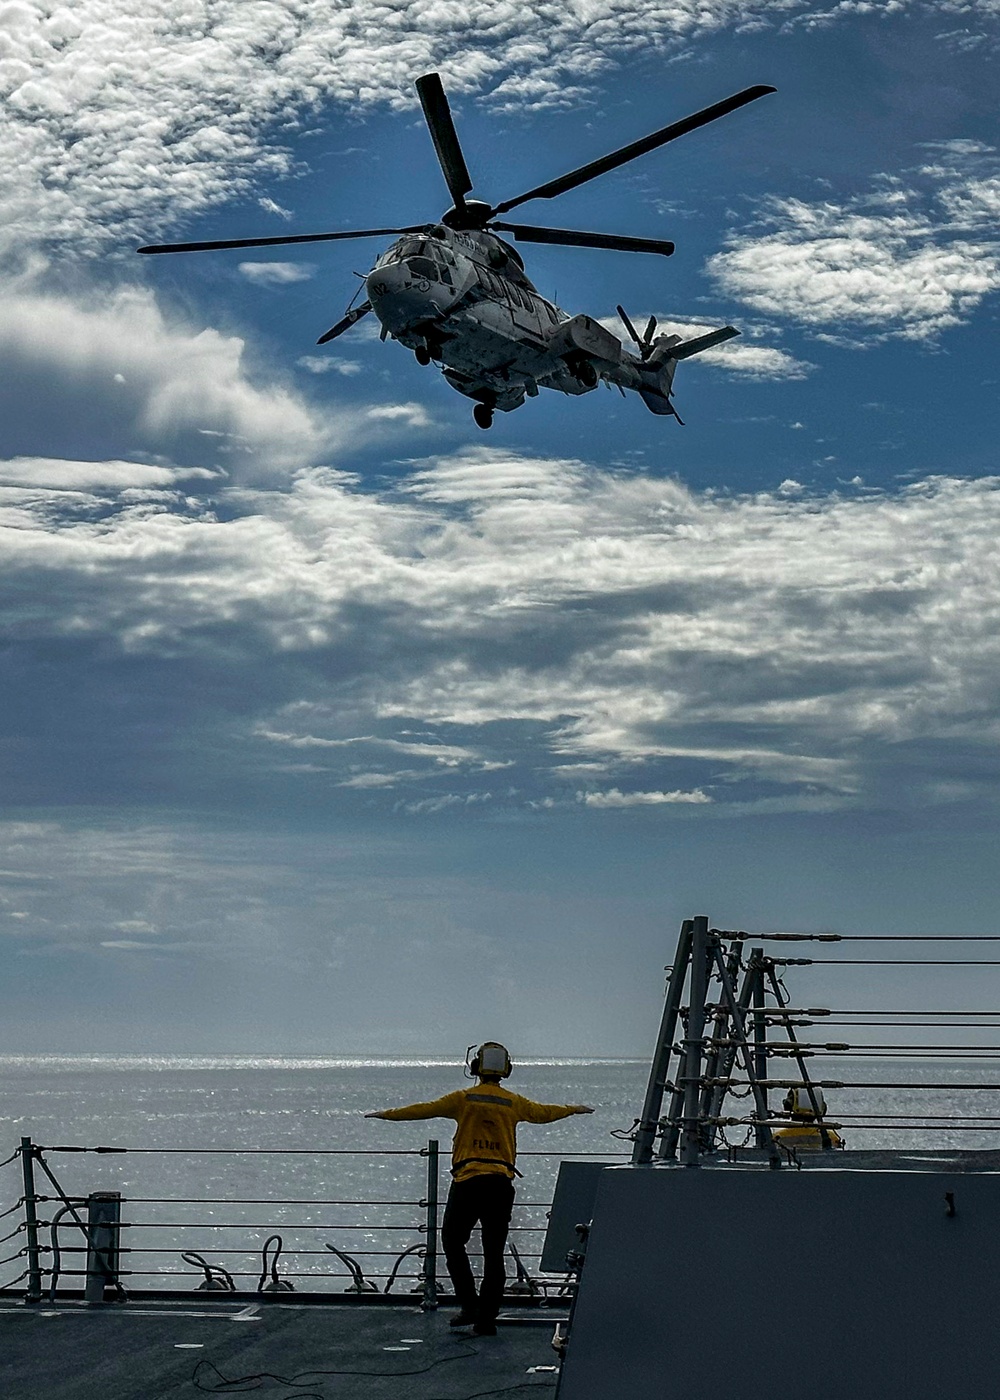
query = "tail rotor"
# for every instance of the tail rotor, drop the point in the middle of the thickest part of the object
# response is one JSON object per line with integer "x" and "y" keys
{"x": 645, "y": 343}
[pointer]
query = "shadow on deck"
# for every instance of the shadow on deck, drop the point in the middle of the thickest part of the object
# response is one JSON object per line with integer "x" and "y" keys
{"x": 145, "y": 1350}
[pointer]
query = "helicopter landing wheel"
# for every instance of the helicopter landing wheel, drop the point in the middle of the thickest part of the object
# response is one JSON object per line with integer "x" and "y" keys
{"x": 423, "y": 355}
{"x": 483, "y": 415}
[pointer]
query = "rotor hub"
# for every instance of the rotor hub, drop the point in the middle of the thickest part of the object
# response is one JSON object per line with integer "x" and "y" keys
{"x": 472, "y": 214}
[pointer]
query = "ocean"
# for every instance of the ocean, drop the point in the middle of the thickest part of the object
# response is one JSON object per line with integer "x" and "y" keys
{"x": 225, "y": 1150}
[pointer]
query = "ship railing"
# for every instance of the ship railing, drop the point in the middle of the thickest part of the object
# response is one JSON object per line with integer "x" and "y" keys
{"x": 377, "y": 1253}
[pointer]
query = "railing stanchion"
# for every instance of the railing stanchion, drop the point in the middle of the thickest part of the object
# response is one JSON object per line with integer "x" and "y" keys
{"x": 34, "y": 1291}
{"x": 430, "y": 1298}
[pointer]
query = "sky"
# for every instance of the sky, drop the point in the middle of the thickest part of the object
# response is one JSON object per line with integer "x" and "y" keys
{"x": 333, "y": 724}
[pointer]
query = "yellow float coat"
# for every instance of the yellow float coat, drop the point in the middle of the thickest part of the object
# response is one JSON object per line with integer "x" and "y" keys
{"x": 806, "y": 1137}
{"x": 487, "y": 1117}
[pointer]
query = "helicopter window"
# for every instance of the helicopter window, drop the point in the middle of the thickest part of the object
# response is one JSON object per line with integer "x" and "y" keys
{"x": 423, "y": 267}
{"x": 492, "y": 284}
{"x": 410, "y": 247}
{"x": 550, "y": 312}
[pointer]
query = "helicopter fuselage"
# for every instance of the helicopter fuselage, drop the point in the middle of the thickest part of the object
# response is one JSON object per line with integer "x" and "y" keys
{"x": 455, "y": 292}
{"x": 461, "y": 298}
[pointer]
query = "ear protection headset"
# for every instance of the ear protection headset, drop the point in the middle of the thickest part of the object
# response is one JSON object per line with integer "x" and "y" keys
{"x": 491, "y": 1058}
{"x": 798, "y": 1103}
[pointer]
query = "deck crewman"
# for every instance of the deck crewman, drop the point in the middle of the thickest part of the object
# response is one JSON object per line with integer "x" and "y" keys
{"x": 483, "y": 1168}
{"x": 806, "y": 1132}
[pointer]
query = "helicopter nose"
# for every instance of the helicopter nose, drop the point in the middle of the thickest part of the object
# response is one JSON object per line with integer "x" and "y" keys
{"x": 392, "y": 291}
{"x": 398, "y": 295}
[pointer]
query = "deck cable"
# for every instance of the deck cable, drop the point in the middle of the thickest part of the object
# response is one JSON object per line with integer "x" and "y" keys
{"x": 885, "y": 962}
{"x": 862, "y": 937}
{"x": 251, "y": 1382}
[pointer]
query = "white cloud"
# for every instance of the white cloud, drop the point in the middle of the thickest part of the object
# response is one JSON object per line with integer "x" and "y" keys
{"x": 276, "y": 274}
{"x": 123, "y": 117}
{"x": 326, "y": 364}
{"x": 272, "y": 207}
{"x": 413, "y": 415}
{"x": 371, "y": 780}
{"x": 153, "y": 383}
{"x": 543, "y": 614}
{"x": 614, "y": 797}
{"x": 57, "y": 474}
{"x": 906, "y": 261}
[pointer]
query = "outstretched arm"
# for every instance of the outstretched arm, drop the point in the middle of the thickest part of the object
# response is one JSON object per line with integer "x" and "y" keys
{"x": 445, "y": 1107}
{"x": 531, "y": 1112}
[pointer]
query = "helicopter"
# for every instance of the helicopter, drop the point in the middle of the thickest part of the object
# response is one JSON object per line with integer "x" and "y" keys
{"x": 456, "y": 293}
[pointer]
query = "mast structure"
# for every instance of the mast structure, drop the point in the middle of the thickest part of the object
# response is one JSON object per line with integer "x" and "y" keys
{"x": 716, "y": 997}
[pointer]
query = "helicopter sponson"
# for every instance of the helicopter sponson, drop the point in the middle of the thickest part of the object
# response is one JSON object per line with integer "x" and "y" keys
{"x": 456, "y": 292}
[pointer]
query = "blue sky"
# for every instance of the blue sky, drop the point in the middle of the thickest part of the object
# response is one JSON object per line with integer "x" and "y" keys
{"x": 333, "y": 723}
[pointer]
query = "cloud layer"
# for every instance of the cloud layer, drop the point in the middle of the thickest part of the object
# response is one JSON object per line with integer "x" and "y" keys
{"x": 120, "y": 113}
{"x": 110, "y": 368}
{"x": 910, "y": 259}
{"x": 122, "y": 116}
{"x": 503, "y": 631}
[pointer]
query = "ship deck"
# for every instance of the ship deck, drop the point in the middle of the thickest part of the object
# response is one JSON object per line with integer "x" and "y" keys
{"x": 189, "y": 1347}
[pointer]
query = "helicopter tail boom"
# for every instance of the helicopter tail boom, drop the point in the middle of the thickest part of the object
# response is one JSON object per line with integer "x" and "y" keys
{"x": 661, "y": 364}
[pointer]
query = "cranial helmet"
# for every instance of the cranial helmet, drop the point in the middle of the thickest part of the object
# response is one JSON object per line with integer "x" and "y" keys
{"x": 491, "y": 1059}
{"x": 798, "y": 1103}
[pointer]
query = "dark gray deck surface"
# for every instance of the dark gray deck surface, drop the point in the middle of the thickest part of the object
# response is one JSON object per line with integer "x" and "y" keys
{"x": 147, "y": 1350}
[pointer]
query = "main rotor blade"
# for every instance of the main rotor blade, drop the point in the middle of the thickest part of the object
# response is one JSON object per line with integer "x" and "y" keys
{"x": 529, "y": 233}
{"x": 628, "y": 325}
{"x": 438, "y": 116}
{"x": 346, "y": 322}
{"x": 638, "y": 148}
{"x": 274, "y": 242}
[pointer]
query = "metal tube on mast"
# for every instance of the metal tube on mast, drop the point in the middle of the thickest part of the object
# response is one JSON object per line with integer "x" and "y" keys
{"x": 739, "y": 1026}
{"x": 710, "y": 1101}
{"x": 759, "y": 1033}
{"x": 694, "y": 1043}
{"x": 649, "y": 1123}
{"x": 728, "y": 1058}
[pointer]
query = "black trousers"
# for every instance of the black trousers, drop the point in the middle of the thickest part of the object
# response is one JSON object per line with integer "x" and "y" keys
{"x": 486, "y": 1200}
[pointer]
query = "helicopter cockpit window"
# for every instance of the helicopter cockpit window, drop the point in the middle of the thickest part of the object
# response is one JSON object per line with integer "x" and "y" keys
{"x": 423, "y": 267}
{"x": 405, "y": 248}
{"x": 440, "y": 252}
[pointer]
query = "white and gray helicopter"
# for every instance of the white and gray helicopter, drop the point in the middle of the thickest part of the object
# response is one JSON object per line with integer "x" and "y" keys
{"x": 456, "y": 293}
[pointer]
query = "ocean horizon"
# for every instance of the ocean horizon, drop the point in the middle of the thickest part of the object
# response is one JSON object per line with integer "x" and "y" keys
{"x": 218, "y": 1151}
